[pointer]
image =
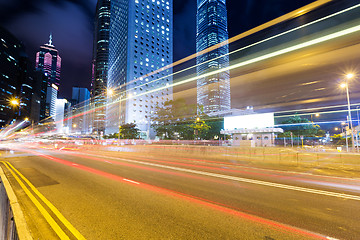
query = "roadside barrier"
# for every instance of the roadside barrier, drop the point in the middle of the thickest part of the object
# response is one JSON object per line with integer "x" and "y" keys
{"x": 12, "y": 221}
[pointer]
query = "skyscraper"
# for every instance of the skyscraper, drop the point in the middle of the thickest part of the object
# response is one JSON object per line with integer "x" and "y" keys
{"x": 16, "y": 79}
{"x": 213, "y": 92}
{"x": 140, "y": 47}
{"x": 100, "y": 63}
{"x": 49, "y": 62}
{"x": 80, "y": 108}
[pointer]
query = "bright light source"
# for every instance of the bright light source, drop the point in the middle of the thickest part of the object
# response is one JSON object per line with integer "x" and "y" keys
{"x": 343, "y": 85}
{"x": 336, "y": 129}
{"x": 14, "y": 102}
{"x": 317, "y": 115}
{"x": 26, "y": 119}
{"x": 349, "y": 75}
{"x": 110, "y": 92}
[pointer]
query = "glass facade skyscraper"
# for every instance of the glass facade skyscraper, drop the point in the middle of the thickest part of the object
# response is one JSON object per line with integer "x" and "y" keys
{"x": 213, "y": 92}
{"x": 100, "y": 63}
{"x": 140, "y": 48}
{"x": 16, "y": 79}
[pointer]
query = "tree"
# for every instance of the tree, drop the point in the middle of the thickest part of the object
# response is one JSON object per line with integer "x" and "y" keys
{"x": 173, "y": 119}
{"x": 199, "y": 127}
{"x": 301, "y": 127}
{"x": 129, "y": 131}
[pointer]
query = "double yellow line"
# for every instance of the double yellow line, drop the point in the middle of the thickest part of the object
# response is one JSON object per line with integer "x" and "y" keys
{"x": 30, "y": 190}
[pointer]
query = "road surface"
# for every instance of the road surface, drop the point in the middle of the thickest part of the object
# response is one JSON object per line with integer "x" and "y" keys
{"x": 78, "y": 194}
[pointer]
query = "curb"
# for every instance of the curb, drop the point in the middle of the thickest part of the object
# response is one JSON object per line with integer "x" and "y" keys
{"x": 19, "y": 218}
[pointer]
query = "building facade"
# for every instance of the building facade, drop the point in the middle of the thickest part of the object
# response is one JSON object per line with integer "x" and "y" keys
{"x": 48, "y": 61}
{"x": 213, "y": 92}
{"x": 16, "y": 79}
{"x": 80, "y": 110}
{"x": 100, "y": 64}
{"x": 140, "y": 48}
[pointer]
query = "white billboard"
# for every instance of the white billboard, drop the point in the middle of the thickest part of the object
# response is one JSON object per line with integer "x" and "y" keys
{"x": 251, "y": 121}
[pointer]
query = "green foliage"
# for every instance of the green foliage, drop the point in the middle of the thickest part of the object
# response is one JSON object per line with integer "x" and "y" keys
{"x": 129, "y": 131}
{"x": 298, "y": 129}
{"x": 178, "y": 120}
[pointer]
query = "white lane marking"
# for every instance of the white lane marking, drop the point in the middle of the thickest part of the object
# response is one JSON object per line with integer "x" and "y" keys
{"x": 108, "y": 162}
{"x": 240, "y": 179}
{"x": 128, "y": 180}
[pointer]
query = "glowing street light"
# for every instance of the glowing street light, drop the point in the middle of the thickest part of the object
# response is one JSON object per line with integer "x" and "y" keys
{"x": 110, "y": 92}
{"x": 14, "y": 102}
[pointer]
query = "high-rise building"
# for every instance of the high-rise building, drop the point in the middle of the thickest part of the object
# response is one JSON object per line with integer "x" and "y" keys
{"x": 38, "y": 101}
{"x": 49, "y": 62}
{"x": 80, "y": 110}
{"x": 140, "y": 48}
{"x": 213, "y": 92}
{"x": 16, "y": 80}
{"x": 100, "y": 63}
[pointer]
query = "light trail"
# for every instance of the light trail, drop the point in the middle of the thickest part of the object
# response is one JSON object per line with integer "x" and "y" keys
{"x": 294, "y": 14}
{"x": 286, "y": 17}
{"x": 256, "y": 59}
{"x": 295, "y": 178}
{"x": 203, "y": 202}
{"x": 240, "y": 179}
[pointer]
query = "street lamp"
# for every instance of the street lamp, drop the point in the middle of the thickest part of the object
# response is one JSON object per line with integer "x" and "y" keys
{"x": 346, "y": 85}
{"x": 14, "y": 102}
{"x": 111, "y": 93}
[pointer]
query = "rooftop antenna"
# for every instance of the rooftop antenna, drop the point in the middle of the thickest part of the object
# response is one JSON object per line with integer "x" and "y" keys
{"x": 50, "y": 39}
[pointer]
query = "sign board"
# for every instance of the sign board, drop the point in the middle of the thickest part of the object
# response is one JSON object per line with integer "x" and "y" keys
{"x": 251, "y": 121}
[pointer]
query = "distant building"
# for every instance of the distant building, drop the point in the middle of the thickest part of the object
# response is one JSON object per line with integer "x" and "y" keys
{"x": 38, "y": 101}
{"x": 80, "y": 110}
{"x": 48, "y": 61}
{"x": 100, "y": 63}
{"x": 16, "y": 79}
{"x": 60, "y": 115}
{"x": 51, "y": 97}
{"x": 213, "y": 92}
{"x": 140, "y": 48}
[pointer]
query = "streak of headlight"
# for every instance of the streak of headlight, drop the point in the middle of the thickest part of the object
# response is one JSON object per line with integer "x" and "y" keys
{"x": 241, "y": 49}
{"x": 308, "y": 123}
{"x": 294, "y": 14}
{"x": 258, "y": 59}
{"x": 205, "y": 202}
{"x": 315, "y": 110}
{"x": 254, "y": 60}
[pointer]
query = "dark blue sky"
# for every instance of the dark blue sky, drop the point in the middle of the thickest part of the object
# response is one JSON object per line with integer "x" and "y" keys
{"x": 71, "y": 22}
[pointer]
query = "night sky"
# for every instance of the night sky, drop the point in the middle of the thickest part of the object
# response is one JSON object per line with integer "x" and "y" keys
{"x": 71, "y": 23}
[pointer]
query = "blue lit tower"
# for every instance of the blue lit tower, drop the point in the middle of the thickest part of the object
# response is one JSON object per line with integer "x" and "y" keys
{"x": 213, "y": 92}
{"x": 140, "y": 43}
{"x": 100, "y": 63}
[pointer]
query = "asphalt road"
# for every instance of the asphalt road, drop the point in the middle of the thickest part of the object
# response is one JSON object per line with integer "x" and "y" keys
{"x": 111, "y": 195}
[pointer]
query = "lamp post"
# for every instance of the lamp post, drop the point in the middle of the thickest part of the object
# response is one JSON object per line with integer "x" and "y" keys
{"x": 111, "y": 93}
{"x": 346, "y": 85}
{"x": 14, "y": 103}
{"x": 342, "y": 131}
